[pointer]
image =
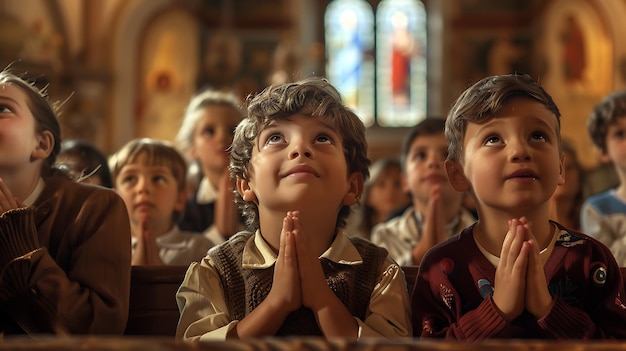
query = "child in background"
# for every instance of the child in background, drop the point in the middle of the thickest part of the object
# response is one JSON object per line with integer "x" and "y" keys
{"x": 514, "y": 273}
{"x": 205, "y": 136}
{"x": 383, "y": 194}
{"x": 567, "y": 199}
{"x": 436, "y": 212}
{"x": 300, "y": 162}
{"x": 64, "y": 246}
{"x": 84, "y": 163}
{"x": 603, "y": 216}
{"x": 150, "y": 177}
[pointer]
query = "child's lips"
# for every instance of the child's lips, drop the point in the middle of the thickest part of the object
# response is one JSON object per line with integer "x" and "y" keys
{"x": 522, "y": 177}
{"x": 301, "y": 170}
{"x": 522, "y": 174}
{"x": 434, "y": 178}
{"x": 144, "y": 206}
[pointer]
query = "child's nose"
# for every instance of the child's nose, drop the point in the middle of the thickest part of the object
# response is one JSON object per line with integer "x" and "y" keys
{"x": 519, "y": 151}
{"x": 435, "y": 160}
{"x": 300, "y": 149}
{"x": 143, "y": 185}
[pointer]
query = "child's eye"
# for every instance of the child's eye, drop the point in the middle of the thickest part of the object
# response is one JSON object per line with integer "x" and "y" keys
{"x": 129, "y": 179}
{"x": 420, "y": 155}
{"x": 5, "y": 108}
{"x": 159, "y": 179}
{"x": 619, "y": 134}
{"x": 209, "y": 131}
{"x": 274, "y": 139}
{"x": 539, "y": 136}
{"x": 325, "y": 139}
{"x": 492, "y": 140}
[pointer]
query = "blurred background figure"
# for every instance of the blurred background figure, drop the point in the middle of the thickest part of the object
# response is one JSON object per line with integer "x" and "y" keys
{"x": 383, "y": 194}
{"x": 150, "y": 176}
{"x": 84, "y": 163}
{"x": 568, "y": 197}
{"x": 204, "y": 138}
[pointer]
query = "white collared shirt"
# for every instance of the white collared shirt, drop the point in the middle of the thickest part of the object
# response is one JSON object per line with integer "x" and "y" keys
{"x": 207, "y": 193}
{"x": 178, "y": 247}
{"x": 401, "y": 234}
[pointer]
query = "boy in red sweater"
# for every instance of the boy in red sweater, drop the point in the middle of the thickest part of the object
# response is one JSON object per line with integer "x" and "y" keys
{"x": 514, "y": 273}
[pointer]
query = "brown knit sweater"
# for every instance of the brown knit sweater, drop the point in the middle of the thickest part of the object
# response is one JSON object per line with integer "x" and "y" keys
{"x": 245, "y": 289}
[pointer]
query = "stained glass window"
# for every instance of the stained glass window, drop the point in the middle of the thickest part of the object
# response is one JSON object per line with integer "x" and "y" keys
{"x": 401, "y": 62}
{"x": 349, "y": 28}
{"x": 389, "y": 86}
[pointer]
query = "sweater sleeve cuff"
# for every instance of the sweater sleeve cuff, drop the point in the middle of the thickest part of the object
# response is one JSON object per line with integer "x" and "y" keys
{"x": 18, "y": 234}
{"x": 566, "y": 322}
{"x": 15, "y": 277}
{"x": 484, "y": 322}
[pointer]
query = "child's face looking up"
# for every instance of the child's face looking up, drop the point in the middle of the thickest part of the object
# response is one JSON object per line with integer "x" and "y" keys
{"x": 512, "y": 162}
{"x": 298, "y": 163}
{"x": 18, "y": 136}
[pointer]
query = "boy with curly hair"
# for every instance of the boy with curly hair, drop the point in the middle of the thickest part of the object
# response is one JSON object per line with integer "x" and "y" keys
{"x": 300, "y": 160}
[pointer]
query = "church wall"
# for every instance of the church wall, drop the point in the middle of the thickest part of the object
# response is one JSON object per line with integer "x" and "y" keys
{"x": 100, "y": 51}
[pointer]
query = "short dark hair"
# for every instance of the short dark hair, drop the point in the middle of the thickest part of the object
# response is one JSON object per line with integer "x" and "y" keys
{"x": 429, "y": 126}
{"x": 603, "y": 115}
{"x": 485, "y": 99}
{"x": 91, "y": 160}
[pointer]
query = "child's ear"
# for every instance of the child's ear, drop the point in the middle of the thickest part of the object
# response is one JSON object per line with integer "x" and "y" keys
{"x": 405, "y": 184}
{"x": 456, "y": 177}
{"x": 45, "y": 144}
{"x": 562, "y": 170}
{"x": 355, "y": 181}
{"x": 246, "y": 191}
{"x": 181, "y": 200}
{"x": 604, "y": 157}
{"x": 191, "y": 152}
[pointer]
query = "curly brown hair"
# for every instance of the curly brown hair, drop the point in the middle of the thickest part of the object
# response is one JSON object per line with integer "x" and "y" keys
{"x": 313, "y": 97}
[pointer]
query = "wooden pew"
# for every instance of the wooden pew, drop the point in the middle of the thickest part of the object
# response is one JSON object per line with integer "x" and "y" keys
{"x": 153, "y": 309}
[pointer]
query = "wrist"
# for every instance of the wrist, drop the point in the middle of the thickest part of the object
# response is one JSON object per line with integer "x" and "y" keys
{"x": 321, "y": 299}
{"x": 276, "y": 307}
{"x": 544, "y": 309}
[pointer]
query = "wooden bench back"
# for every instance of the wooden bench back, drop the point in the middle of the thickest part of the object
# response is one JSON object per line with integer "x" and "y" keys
{"x": 153, "y": 309}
